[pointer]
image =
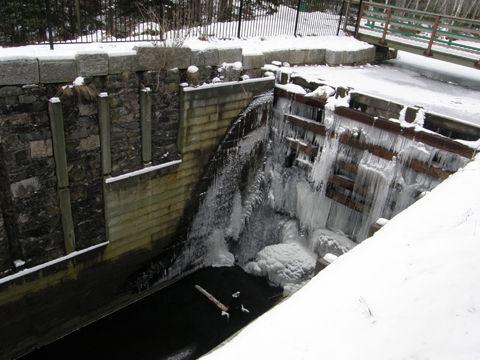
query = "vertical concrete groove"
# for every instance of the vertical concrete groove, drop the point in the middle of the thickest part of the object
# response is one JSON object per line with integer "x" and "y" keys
{"x": 104, "y": 124}
{"x": 146, "y": 124}
{"x": 60, "y": 156}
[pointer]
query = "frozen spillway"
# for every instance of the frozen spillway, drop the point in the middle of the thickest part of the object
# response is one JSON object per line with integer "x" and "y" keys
{"x": 306, "y": 181}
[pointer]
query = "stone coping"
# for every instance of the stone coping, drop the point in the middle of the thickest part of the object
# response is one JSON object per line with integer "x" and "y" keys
{"x": 47, "y": 70}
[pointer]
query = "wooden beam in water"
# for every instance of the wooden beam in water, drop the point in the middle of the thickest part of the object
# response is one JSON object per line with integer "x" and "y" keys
{"x": 342, "y": 199}
{"x": 308, "y": 149}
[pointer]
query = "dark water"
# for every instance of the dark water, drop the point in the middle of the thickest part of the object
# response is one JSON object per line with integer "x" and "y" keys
{"x": 177, "y": 322}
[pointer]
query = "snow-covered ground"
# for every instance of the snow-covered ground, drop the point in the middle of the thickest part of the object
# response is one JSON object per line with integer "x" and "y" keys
{"x": 409, "y": 292}
{"x": 437, "y": 86}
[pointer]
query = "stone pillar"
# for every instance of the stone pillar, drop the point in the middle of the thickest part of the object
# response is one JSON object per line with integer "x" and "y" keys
{"x": 146, "y": 125}
{"x": 60, "y": 155}
{"x": 104, "y": 124}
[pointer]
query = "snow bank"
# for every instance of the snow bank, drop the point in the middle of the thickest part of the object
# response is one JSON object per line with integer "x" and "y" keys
{"x": 409, "y": 292}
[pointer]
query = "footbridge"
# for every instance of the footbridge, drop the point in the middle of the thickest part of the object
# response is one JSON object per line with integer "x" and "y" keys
{"x": 443, "y": 37}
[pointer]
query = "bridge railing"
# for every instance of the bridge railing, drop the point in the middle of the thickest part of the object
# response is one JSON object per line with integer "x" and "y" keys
{"x": 431, "y": 28}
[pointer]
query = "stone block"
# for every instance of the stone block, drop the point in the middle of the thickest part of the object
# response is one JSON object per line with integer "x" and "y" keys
{"x": 92, "y": 64}
{"x": 158, "y": 58}
{"x": 148, "y": 58}
{"x": 253, "y": 61}
{"x": 334, "y": 57}
{"x": 89, "y": 143}
{"x": 26, "y": 99}
{"x": 180, "y": 58}
{"x": 119, "y": 63}
{"x": 370, "y": 54}
{"x": 360, "y": 56}
{"x": 229, "y": 55}
{"x": 87, "y": 109}
{"x": 207, "y": 57}
{"x": 41, "y": 148}
{"x": 348, "y": 57}
{"x": 315, "y": 56}
{"x": 57, "y": 71}
{"x": 25, "y": 187}
{"x": 277, "y": 55}
{"x": 11, "y": 91}
{"x": 296, "y": 57}
{"x": 19, "y": 72}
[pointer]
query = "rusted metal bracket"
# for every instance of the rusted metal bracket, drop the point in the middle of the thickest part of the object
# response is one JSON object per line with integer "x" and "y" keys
{"x": 385, "y": 29}
{"x": 428, "y": 52}
{"x": 477, "y": 65}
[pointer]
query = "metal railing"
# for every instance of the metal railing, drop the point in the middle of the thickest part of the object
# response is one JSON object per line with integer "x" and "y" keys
{"x": 430, "y": 28}
{"x": 25, "y": 22}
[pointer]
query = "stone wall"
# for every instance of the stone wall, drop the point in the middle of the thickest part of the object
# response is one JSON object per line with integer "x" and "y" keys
{"x": 30, "y": 202}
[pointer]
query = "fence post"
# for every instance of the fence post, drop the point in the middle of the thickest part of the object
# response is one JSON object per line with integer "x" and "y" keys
{"x": 79, "y": 24}
{"x": 49, "y": 22}
{"x": 296, "y": 20}
{"x": 340, "y": 20}
{"x": 240, "y": 18}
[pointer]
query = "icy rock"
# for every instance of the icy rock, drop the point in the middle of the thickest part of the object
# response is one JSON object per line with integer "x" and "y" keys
{"x": 323, "y": 241}
{"x": 322, "y": 92}
{"x": 284, "y": 264}
{"x": 330, "y": 258}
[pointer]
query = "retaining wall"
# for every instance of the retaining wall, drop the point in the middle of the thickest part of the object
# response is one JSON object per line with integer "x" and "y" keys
{"x": 98, "y": 182}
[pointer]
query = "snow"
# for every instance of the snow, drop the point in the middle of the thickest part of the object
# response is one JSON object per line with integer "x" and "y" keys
{"x": 410, "y": 80}
{"x": 141, "y": 171}
{"x": 27, "y": 271}
{"x": 409, "y": 292}
{"x": 79, "y": 81}
{"x": 192, "y": 69}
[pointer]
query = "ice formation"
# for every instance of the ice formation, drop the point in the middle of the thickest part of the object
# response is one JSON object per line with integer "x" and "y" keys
{"x": 270, "y": 207}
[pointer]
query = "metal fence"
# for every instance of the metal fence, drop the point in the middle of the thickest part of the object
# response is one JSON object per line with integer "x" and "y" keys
{"x": 81, "y": 21}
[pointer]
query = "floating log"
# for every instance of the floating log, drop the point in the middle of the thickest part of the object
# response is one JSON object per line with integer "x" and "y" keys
{"x": 211, "y": 298}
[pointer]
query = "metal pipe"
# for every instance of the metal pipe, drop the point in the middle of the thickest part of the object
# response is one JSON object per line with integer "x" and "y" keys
{"x": 296, "y": 20}
{"x": 240, "y": 18}
{"x": 340, "y": 20}
{"x": 49, "y": 22}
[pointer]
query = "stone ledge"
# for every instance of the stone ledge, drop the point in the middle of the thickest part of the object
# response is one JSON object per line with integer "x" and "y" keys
{"x": 57, "y": 71}
{"x": 253, "y": 61}
{"x": 121, "y": 62}
{"x": 35, "y": 71}
{"x": 92, "y": 64}
{"x": 19, "y": 72}
{"x": 230, "y": 55}
{"x": 207, "y": 57}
